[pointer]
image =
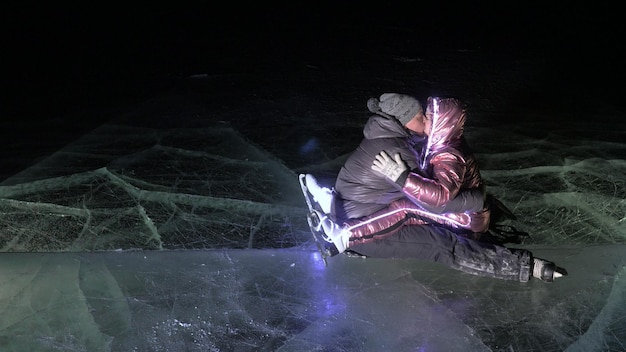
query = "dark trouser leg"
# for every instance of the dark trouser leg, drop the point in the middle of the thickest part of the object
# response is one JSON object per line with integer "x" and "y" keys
{"x": 437, "y": 244}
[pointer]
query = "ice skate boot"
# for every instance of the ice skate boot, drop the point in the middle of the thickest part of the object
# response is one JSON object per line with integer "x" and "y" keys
{"x": 316, "y": 218}
{"x": 322, "y": 241}
{"x": 321, "y": 195}
{"x": 547, "y": 271}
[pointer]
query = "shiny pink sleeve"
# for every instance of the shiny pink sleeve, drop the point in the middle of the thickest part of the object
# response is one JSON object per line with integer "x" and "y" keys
{"x": 448, "y": 172}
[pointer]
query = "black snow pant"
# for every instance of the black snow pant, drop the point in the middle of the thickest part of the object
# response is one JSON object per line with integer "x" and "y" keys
{"x": 437, "y": 244}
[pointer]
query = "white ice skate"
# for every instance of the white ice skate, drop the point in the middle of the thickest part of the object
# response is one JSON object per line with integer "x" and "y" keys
{"x": 316, "y": 216}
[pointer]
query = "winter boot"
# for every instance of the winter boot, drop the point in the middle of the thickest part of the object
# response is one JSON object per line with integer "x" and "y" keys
{"x": 321, "y": 195}
{"x": 547, "y": 271}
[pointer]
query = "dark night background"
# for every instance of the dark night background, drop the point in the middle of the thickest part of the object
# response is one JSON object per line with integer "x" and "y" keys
{"x": 67, "y": 69}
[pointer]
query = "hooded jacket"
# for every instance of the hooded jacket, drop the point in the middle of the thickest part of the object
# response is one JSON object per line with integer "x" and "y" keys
{"x": 449, "y": 164}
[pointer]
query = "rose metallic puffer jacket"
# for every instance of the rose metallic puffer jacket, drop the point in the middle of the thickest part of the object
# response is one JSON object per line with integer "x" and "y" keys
{"x": 449, "y": 163}
{"x": 363, "y": 191}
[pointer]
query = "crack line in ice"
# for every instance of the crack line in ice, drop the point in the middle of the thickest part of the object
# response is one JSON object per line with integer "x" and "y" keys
{"x": 153, "y": 230}
{"x": 600, "y": 330}
{"x": 196, "y": 200}
{"x": 158, "y": 196}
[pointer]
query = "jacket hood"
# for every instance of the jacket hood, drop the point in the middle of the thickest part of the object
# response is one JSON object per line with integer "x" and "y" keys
{"x": 448, "y": 123}
{"x": 382, "y": 127}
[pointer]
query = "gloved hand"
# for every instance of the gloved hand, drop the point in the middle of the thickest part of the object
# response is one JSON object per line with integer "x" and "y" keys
{"x": 392, "y": 169}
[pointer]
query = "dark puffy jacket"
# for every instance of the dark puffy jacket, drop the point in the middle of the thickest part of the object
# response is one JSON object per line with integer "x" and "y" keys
{"x": 362, "y": 190}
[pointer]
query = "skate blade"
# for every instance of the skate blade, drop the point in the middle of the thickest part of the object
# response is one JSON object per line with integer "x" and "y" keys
{"x": 314, "y": 221}
{"x": 318, "y": 236}
{"x": 559, "y": 272}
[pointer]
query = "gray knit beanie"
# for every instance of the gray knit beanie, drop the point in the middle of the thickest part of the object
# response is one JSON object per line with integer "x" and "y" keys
{"x": 400, "y": 106}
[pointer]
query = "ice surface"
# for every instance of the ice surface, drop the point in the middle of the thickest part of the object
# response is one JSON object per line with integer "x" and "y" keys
{"x": 173, "y": 189}
{"x": 287, "y": 300}
{"x": 194, "y": 238}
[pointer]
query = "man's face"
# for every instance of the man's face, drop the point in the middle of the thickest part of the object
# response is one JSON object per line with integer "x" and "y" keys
{"x": 428, "y": 123}
{"x": 417, "y": 124}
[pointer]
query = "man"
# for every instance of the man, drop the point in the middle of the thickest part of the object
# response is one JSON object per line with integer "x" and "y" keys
{"x": 430, "y": 186}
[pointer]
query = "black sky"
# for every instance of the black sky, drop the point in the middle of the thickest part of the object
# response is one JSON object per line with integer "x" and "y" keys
{"x": 60, "y": 59}
{"x": 103, "y": 46}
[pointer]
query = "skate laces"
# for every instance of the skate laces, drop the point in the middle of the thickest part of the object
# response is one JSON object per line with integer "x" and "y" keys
{"x": 320, "y": 225}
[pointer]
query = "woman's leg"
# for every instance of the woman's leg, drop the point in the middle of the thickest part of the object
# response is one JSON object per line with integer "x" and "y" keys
{"x": 390, "y": 219}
